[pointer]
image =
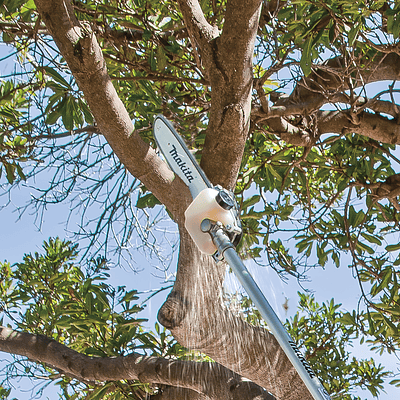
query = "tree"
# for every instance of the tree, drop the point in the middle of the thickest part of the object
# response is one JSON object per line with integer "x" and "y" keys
{"x": 275, "y": 99}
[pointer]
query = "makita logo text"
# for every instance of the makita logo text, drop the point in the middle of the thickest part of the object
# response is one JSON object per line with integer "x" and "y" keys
{"x": 302, "y": 359}
{"x": 181, "y": 164}
{"x": 321, "y": 389}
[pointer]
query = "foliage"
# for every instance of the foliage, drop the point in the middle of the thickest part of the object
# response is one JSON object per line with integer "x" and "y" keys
{"x": 14, "y": 148}
{"x": 380, "y": 321}
{"x": 319, "y": 332}
{"x": 316, "y": 26}
{"x": 45, "y": 120}
{"x": 49, "y": 294}
{"x": 295, "y": 184}
{"x": 4, "y": 393}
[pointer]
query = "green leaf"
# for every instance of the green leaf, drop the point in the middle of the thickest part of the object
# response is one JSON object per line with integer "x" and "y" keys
{"x": 397, "y": 261}
{"x": 7, "y": 37}
{"x": 161, "y": 58}
{"x": 396, "y": 27}
{"x": 306, "y": 57}
{"x": 57, "y": 77}
{"x": 147, "y": 88}
{"x": 63, "y": 323}
{"x": 371, "y": 238}
{"x": 147, "y": 201}
{"x": 10, "y": 168}
{"x": 322, "y": 256}
{"x": 387, "y": 277}
{"x": 352, "y": 35}
{"x": 98, "y": 394}
{"x": 20, "y": 172}
{"x": 359, "y": 218}
{"x": 251, "y": 201}
{"x": 152, "y": 61}
{"x": 348, "y": 319}
{"x": 395, "y": 382}
{"x": 67, "y": 114}
{"x": 393, "y": 247}
{"x": 53, "y": 117}
{"x": 86, "y": 112}
{"x": 364, "y": 247}
{"x": 134, "y": 322}
{"x": 335, "y": 258}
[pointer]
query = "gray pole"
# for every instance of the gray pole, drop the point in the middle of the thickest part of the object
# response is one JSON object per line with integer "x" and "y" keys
{"x": 227, "y": 250}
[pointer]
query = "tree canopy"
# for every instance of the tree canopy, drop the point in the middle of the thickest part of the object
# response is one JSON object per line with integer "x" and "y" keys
{"x": 293, "y": 105}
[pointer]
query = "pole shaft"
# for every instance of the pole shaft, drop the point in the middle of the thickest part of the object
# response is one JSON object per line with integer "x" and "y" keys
{"x": 282, "y": 336}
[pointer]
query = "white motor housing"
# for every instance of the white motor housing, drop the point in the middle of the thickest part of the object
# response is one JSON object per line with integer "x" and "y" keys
{"x": 210, "y": 203}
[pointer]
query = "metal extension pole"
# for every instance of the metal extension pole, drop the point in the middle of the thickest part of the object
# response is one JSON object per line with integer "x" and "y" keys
{"x": 227, "y": 250}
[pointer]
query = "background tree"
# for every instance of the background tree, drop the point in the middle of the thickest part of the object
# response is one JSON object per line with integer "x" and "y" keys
{"x": 276, "y": 98}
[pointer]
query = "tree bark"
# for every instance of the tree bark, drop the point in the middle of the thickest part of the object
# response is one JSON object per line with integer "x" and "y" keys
{"x": 375, "y": 126}
{"x": 231, "y": 76}
{"x": 203, "y": 380}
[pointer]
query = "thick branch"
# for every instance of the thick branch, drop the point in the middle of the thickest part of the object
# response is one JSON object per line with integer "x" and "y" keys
{"x": 291, "y": 134}
{"x": 327, "y": 84}
{"x": 338, "y": 76}
{"x": 210, "y": 379}
{"x": 288, "y": 108}
{"x": 231, "y": 77}
{"x": 196, "y": 22}
{"x": 79, "y": 47}
{"x": 374, "y": 126}
{"x": 200, "y": 31}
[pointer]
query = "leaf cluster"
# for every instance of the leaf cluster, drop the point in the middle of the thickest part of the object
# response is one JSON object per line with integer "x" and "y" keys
{"x": 319, "y": 329}
{"x": 14, "y": 146}
{"x": 320, "y": 332}
{"x": 49, "y": 294}
{"x": 316, "y": 27}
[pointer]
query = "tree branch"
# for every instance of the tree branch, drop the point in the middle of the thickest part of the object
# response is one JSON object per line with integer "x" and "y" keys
{"x": 335, "y": 76}
{"x": 157, "y": 77}
{"x": 374, "y": 126}
{"x": 287, "y": 108}
{"x": 90, "y": 130}
{"x": 209, "y": 379}
{"x": 231, "y": 77}
{"x": 327, "y": 84}
{"x": 79, "y": 47}
{"x": 200, "y": 31}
